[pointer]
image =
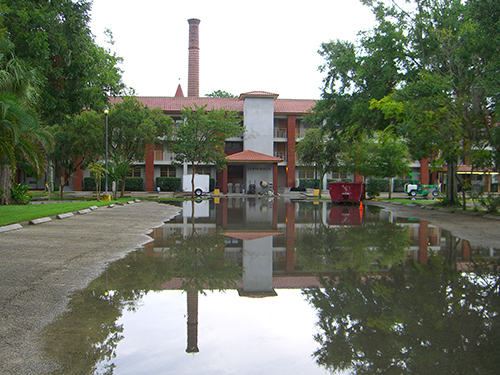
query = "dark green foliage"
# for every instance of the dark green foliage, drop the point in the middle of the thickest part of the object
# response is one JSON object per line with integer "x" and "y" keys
{"x": 373, "y": 188}
{"x": 19, "y": 194}
{"x": 416, "y": 319}
{"x": 169, "y": 183}
{"x": 54, "y": 37}
{"x": 309, "y": 183}
{"x": 131, "y": 184}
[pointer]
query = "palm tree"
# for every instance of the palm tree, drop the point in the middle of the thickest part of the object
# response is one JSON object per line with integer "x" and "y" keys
{"x": 22, "y": 139}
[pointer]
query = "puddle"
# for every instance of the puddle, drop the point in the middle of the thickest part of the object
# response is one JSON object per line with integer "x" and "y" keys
{"x": 246, "y": 286}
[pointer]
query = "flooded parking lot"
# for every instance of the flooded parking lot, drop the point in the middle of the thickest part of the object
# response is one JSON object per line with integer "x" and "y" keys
{"x": 245, "y": 286}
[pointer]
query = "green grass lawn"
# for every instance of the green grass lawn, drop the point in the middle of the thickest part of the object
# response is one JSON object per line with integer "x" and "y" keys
{"x": 16, "y": 214}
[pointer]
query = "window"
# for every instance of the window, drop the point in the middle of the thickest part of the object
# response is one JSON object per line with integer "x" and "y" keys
{"x": 168, "y": 171}
{"x": 234, "y": 146}
{"x": 339, "y": 176}
{"x": 306, "y": 173}
{"x": 203, "y": 169}
{"x": 134, "y": 172}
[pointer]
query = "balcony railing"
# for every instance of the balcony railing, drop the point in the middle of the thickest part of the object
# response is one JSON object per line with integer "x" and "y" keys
{"x": 164, "y": 156}
{"x": 279, "y": 133}
{"x": 280, "y": 154}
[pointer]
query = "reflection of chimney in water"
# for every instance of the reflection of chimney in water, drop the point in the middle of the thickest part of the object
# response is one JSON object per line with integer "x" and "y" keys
{"x": 194, "y": 59}
{"x": 192, "y": 321}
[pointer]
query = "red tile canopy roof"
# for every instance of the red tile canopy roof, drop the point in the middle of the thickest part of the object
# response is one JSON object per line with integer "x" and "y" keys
{"x": 249, "y": 156}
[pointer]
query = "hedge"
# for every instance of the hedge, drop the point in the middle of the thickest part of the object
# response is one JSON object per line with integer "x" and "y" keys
{"x": 175, "y": 183}
{"x": 168, "y": 183}
{"x": 383, "y": 184}
{"x": 309, "y": 183}
{"x": 131, "y": 184}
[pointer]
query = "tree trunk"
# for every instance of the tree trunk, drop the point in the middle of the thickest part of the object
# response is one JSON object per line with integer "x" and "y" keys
{"x": 5, "y": 184}
{"x": 192, "y": 183}
{"x": 62, "y": 182}
{"x": 122, "y": 192}
{"x": 391, "y": 187}
{"x": 451, "y": 183}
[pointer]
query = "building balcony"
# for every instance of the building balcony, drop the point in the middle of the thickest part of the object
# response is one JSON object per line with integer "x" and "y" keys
{"x": 164, "y": 156}
{"x": 279, "y": 133}
{"x": 280, "y": 154}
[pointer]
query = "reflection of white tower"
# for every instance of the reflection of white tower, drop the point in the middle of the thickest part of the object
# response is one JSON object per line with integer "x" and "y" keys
{"x": 257, "y": 262}
{"x": 258, "y": 266}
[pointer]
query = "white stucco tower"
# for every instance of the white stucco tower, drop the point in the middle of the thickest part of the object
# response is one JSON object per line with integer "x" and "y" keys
{"x": 258, "y": 117}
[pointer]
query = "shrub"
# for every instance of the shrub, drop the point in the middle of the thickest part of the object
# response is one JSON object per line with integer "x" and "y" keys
{"x": 311, "y": 183}
{"x": 19, "y": 194}
{"x": 372, "y": 188}
{"x": 168, "y": 183}
{"x": 490, "y": 202}
{"x": 131, "y": 184}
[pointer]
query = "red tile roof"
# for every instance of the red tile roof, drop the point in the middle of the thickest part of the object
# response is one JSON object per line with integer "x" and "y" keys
{"x": 249, "y": 236}
{"x": 173, "y": 105}
{"x": 179, "y": 93}
{"x": 252, "y": 157}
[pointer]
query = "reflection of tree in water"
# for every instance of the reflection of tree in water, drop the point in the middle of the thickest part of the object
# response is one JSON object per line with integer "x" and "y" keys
{"x": 362, "y": 248}
{"x": 417, "y": 318}
{"x": 86, "y": 337}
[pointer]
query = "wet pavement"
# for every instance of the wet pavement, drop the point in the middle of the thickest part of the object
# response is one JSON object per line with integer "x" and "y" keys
{"x": 41, "y": 265}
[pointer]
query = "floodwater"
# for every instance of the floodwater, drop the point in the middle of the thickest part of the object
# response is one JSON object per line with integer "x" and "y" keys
{"x": 258, "y": 286}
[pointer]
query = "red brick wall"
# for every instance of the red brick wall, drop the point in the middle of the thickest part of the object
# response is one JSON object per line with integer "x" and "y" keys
{"x": 290, "y": 177}
{"x": 424, "y": 171}
{"x": 194, "y": 59}
{"x": 150, "y": 168}
{"x": 78, "y": 180}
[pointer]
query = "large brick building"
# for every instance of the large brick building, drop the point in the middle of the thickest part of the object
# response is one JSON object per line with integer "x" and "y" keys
{"x": 264, "y": 152}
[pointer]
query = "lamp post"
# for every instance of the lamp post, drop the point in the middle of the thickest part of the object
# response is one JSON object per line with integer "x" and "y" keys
{"x": 106, "y": 111}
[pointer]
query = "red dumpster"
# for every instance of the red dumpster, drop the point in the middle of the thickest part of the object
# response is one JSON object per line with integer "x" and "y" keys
{"x": 348, "y": 192}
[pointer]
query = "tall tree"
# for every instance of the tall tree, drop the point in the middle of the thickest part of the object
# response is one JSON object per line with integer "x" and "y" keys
{"x": 54, "y": 36}
{"x": 318, "y": 150}
{"x": 133, "y": 129}
{"x": 200, "y": 138}
{"x": 22, "y": 140}
{"x": 79, "y": 140}
{"x": 384, "y": 156}
{"x": 430, "y": 57}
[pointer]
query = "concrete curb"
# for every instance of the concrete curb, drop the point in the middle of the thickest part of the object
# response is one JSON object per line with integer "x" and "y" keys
{"x": 8, "y": 228}
{"x": 40, "y": 220}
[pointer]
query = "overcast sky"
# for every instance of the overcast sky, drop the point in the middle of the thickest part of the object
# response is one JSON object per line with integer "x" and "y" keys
{"x": 259, "y": 45}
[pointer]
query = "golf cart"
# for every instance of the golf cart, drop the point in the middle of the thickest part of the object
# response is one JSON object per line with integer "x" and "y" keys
{"x": 415, "y": 188}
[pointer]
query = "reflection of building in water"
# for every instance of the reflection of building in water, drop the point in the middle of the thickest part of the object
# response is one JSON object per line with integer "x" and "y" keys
{"x": 285, "y": 219}
{"x": 260, "y": 236}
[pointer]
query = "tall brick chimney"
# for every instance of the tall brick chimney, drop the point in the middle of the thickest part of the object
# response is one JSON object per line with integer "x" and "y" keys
{"x": 194, "y": 59}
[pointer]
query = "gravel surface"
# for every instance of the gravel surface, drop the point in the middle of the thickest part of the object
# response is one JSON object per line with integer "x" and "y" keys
{"x": 41, "y": 265}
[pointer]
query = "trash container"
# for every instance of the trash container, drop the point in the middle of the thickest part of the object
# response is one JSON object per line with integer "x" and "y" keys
{"x": 347, "y": 192}
{"x": 237, "y": 189}
{"x": 230, "y": 187}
